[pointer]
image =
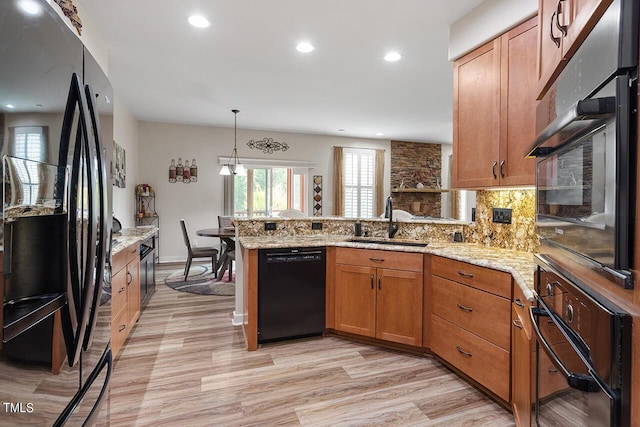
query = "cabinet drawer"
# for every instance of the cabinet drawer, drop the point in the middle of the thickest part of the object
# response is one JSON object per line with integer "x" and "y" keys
{"x": 521, "y": 309}
{"x": 550, "y": 380}
{"x": 479, "y": 312}
{"x": 133, "y": 252}
{"x": 119, "y": 331}
{"x": 118, "y": 292}
{"x": 377, "y": 258}
{"x": 486, "y": 279}
{"x": 484, "y": 362}
{"x": 119, "y": 260}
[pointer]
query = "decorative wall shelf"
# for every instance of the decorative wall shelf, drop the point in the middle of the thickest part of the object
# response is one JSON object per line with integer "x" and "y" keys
{"x": 419, "y": 190}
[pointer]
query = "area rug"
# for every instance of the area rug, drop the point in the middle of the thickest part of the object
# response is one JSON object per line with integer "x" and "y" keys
{"x": 201, "y": 281}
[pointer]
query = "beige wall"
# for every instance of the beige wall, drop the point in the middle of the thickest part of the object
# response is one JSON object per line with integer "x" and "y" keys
{"x": 200, "y": 203}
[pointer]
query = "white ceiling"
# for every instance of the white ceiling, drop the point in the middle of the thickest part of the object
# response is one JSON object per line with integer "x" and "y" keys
{"x": 165, "y": 70}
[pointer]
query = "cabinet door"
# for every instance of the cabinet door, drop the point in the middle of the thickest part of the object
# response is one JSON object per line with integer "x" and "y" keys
{"x": 580, "y": 18}
{"x": 399, "y": 306}
{"x": 521, "y": 371}
{"x": 355, "y": 297}
{"x": 549, "y": 44}
{"x": 476, "y": 117}
{"x": 133, "y": 291}
{"x": 518, "y": 104}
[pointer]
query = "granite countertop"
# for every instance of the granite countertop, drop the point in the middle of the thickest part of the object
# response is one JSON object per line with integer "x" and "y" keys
{"x": 520, "y": 265}
{"x": 129, "y": 236}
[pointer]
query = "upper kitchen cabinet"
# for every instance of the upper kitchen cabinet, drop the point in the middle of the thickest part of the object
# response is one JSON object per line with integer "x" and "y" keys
{"x": 563, "y": 24}
{"x": 494, "y": 111}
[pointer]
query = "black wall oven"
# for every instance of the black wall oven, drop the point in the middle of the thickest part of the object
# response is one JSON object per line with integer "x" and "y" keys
{"x": 587, "y": 133}
{"x": 588, "y": 341}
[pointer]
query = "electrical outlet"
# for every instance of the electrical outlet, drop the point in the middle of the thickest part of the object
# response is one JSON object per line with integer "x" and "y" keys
{"x": 502, "y": 215}
{"x": 316, "y": 226}
{"x": 269, "y": 226}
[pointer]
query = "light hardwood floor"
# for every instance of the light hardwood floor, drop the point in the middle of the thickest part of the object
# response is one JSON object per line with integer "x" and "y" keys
{"x": 185, "y": 365}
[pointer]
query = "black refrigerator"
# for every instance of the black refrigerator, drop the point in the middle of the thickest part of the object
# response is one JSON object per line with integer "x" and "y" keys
{"x": 56, "y": 121}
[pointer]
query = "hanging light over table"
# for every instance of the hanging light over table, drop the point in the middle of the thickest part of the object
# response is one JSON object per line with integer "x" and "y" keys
{"x": 233, "y": 165}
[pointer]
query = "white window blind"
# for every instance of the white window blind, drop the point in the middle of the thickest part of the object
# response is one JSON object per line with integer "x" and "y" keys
{"x": 359, "y": 178}
{"x": 28, "y": 144}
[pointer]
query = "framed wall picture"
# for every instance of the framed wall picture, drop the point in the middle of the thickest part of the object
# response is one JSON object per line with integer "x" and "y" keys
{"x": 119, "y": 159}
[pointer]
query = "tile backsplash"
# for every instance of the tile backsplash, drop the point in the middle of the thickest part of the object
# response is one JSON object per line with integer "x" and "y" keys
{"x": 519, "y": 235}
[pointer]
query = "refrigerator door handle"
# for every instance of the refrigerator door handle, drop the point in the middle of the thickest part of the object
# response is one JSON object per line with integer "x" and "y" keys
{"x": 104, "y": 225}
{"x": 106, "y": 360}
{"x": 81, "y": 264}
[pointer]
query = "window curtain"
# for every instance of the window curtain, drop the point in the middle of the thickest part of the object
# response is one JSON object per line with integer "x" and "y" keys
{"x": 379, "y": 183}
{"x": 338, "y": 181}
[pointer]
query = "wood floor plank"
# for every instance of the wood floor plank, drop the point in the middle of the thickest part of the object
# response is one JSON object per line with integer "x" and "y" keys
{"x": 185, "y": 364}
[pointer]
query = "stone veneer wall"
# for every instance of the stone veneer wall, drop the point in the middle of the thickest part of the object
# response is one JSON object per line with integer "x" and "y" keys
{"x": 407, "y": 159}
{"x": 519, "y": 235}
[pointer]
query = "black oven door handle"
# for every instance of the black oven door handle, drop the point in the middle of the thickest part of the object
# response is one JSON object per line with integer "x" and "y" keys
{"x": 589, "y": 113}
{"x": 577, "y": 381}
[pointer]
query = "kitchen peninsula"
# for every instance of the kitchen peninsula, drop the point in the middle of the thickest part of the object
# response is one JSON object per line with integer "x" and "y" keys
{"x": 447, "y": 298}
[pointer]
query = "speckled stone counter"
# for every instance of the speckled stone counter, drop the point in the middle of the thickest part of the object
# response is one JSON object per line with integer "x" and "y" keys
{"x": 129, "y": 236}
{"x": 519, "y": 264}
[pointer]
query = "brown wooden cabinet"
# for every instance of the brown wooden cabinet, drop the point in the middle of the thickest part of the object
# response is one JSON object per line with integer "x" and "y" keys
{"x": 378, "y": 294}
{"x": 125, "y": 294}
{"x": 470, "y": 321}
{"x": 494, "y": 111}
{"x": 522, "y": 360}
{"x": 563, "y": 26}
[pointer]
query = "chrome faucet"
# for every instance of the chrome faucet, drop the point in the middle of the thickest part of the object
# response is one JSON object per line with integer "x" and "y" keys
{"x": 388, "y": 213}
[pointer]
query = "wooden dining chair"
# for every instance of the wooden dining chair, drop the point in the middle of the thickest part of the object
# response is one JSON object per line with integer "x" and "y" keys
{"x": 227, "y": 246}
{"x": 194, "y": 253}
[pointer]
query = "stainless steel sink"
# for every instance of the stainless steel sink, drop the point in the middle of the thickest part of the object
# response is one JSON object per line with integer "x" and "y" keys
{"x": 388, "y": 242}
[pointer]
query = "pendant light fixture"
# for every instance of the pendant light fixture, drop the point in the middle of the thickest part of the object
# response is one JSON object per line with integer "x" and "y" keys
{"x": 233, "y": 165}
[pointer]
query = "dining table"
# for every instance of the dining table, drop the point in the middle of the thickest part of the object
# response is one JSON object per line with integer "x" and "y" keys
{"x": 227, "y": 235}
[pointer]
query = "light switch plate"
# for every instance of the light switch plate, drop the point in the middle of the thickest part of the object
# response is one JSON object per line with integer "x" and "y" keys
{"x": 502, "y": 215}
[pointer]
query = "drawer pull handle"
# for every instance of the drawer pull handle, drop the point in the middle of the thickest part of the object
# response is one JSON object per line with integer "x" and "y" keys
{"x": 379, "y": 283}
{"x": 372, "y": 287}
{"x": 518, "y": 302}
{"x": 463, "y": 274}
{"x": 463, "y": 308}
{"x": 133, "y": 251}
{"x": 517, "y": 323}
{"x": 493, "y": 170}
{"x": 122, "y": 328}
{"x": 129, "y": 278}
{"x": 377, "y": 259}
{"x": 464, "y": 353}
{"x": 121, "y": 290}
{"x": 552, "y": 371}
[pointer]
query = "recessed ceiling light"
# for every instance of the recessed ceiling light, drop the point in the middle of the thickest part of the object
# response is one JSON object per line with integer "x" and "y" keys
{"x": 304, "y": 47}
{"x": 392, "y": 57}
{"x": 379, "y": 134}
{"x": 31, "y": 7}
{"x": 199, "y": 21}
{"x": 10, "y": 106}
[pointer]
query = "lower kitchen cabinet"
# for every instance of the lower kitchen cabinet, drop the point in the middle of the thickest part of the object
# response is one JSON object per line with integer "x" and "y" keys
{"x": 374, "y": 300}
{"x": 125, "y": 294}
{"x": 470, "y": 321}
{"x": 522, "y": 360}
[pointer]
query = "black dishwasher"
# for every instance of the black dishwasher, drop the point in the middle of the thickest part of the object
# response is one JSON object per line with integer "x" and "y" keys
{"x": 291, "y": 293}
